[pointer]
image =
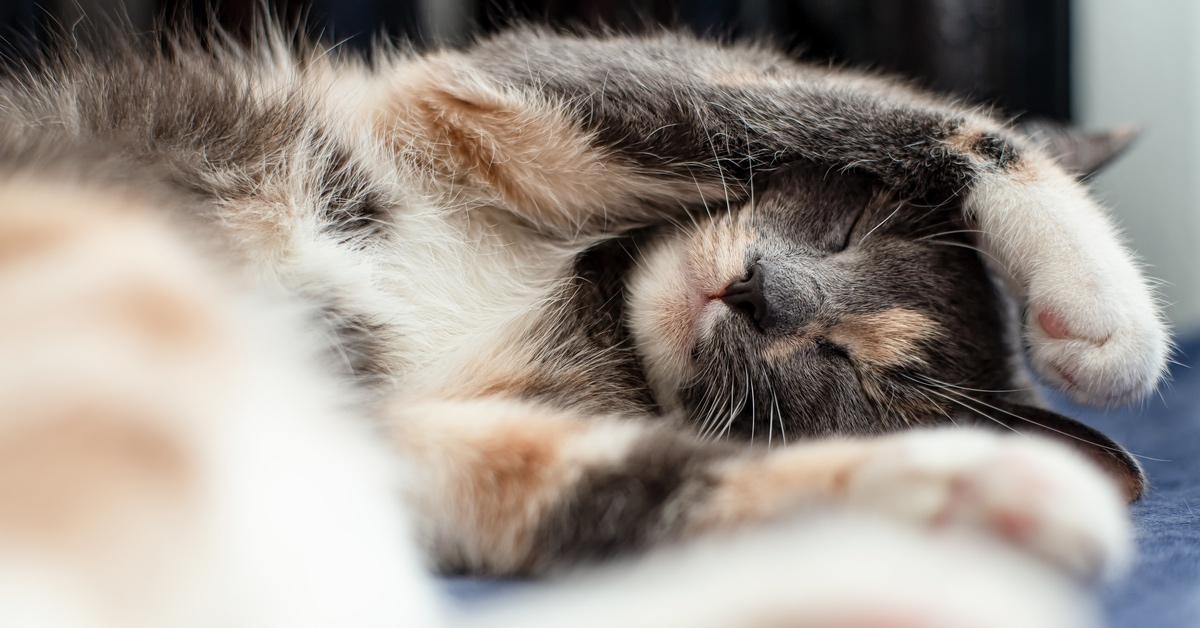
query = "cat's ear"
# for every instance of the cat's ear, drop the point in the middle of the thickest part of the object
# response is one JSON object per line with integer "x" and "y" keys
{"x": 1114, "y": 459}
{"x": 1082, "y": 153}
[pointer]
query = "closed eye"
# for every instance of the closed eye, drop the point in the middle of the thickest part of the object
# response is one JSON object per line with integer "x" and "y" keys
{"x": 833, "y": 349}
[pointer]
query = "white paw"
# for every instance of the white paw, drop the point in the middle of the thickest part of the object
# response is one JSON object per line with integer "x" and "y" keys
{"x": 1101, "y": 346}
{"x": 1036, "y": 494}
{"x": 1093, "y": 326}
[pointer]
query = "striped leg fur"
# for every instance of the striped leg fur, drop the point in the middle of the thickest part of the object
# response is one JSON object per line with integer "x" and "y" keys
{"x": 512, "y": 488}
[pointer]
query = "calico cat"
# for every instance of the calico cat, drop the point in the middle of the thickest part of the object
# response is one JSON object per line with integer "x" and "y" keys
{"x": 565, "y": 298}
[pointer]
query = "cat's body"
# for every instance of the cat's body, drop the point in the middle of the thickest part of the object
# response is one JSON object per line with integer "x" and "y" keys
{"x": 531, "y": 273}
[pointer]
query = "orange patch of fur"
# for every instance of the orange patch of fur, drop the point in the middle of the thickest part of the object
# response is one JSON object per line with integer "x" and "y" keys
{"x": 965, "y": 141}
{"x": 519, "y": 151}
{"x": 23, "y": 236}
{"x": 502, "y": 464}
{"x": 515, "y": 464}
{"x": 95, "y": 270}
{"x": 163, "y": 314}
{"x": 784, "y": 348}
{"x": 881, "y": 340}
{"x": 759, "y": 489}
{"x": 97, "y": 262}
{"x": 64, "y": 475}
{"x": 886, "y": 339}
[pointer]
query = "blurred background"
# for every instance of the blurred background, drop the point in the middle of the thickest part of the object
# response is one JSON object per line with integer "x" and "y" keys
{"x": 1095, "y": 63}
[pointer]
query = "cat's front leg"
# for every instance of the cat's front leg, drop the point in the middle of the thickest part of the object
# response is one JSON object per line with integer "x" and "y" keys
{"x": 1092, "y": 324}
{"x": 508, "y": 487}
{"x": 593, "y": 135}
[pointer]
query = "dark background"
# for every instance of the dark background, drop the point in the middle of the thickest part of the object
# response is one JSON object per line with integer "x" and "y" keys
{"x": 1013, "y": 53}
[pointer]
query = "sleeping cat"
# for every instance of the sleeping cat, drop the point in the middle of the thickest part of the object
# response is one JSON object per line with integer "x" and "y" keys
{"x": 534, "y": 290}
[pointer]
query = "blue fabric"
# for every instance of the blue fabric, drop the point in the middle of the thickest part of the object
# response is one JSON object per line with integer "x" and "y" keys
{"x": 1164, "y": 588}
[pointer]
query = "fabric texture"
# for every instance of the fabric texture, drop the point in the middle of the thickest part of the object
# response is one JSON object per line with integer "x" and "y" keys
{"x": 1164, "y": 589}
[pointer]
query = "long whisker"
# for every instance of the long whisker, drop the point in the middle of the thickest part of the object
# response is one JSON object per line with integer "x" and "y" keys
{"x": 944, "y": 233}
{"x": 700, "y": 190}
{"x": 940, "y": 410}
{"x": 720, "y": 414}
{"x": 974, "y": 410}
{"x": 715, "y": 412}
{"x": 753, "y": 412}
{"x": 881, "y": 222}
{"x": 734, "y": 414}
{"x": 770, "y": 415}
{"x": 982, "y": 390}
{"x": 775, "y": 403}
{"x": 708, "y": 412}
{"x": 1038, "y": 424}
{"x": 982, "y": 252}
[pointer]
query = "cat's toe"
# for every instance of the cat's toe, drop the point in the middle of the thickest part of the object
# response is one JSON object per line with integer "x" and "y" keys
{"x": 1101, "y": 354}
{"x": 1035, "y": 494}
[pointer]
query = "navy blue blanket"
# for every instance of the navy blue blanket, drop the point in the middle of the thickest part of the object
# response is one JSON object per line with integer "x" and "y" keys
{"x": 1164, "y": 589}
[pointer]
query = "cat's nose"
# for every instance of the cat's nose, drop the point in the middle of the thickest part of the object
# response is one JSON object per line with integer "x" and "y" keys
{"x": 747, "y": 297}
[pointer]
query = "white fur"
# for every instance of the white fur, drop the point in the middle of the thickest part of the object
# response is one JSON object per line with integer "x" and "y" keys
{"x": 1063, "y": 255}
{"x": 843, "y": 571}
{"x": 1065, "y": 509}
{"x": 306, "y": 532}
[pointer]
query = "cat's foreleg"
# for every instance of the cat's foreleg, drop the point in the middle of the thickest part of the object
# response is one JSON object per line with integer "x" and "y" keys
{"x": 508, "y": 487}
{"x": 624, "y": 140}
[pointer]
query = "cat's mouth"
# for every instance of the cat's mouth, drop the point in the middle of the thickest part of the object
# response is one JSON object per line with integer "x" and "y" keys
{"x": 677, "y": 297}
{"x": 712, "y": 295}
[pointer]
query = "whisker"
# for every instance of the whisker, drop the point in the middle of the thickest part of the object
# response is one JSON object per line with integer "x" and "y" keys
{"x": 975, "y": 411}
{"x": 1042, "y": 425}
{"x": 982, "y": 252}
{"x": 700, "y": 190}
{"x": 982, "y": 390}
{"x": 741, "y": 406}
{"x": 941, "y": 411}
{"x": 881, "y": 222}
{"x": 753, "y": 412}
{"x": 944, "y": 233}
{"x": 733, "y": 411}
{"x": 779, "y": 413}
{"x": 770, "y": 416}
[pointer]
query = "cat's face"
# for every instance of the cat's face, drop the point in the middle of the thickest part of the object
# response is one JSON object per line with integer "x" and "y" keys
{"x": 824, "y": 306}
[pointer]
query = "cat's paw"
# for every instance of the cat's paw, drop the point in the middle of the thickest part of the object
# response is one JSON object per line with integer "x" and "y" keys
{"x": 1093, "y": 326}
{"x": 1036, "y": 494}
{"x": 1103, "y": 343}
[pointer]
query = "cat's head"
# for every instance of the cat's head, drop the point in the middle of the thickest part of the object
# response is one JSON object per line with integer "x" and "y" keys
{"x": 826, "y": 305}
{"x": 829, "y": 305}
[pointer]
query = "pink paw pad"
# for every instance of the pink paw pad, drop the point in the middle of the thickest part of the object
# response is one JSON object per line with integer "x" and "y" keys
{"x": 1054, "y": 325}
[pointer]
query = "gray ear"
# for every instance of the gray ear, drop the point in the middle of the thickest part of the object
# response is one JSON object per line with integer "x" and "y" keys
{"x": 1114, "y": 459}
{"x": 1082, "y": 153}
